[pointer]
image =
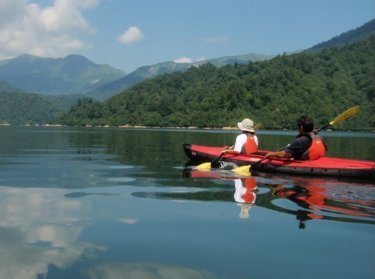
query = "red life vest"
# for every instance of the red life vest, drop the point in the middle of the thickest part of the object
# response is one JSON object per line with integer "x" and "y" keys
{"x": 317, "y": 148}
{"x": 250, "y": 145}
{"x": 249, "y": 196}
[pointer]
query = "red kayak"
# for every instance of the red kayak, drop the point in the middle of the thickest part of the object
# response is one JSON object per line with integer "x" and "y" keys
{"x": 326, "y": 166}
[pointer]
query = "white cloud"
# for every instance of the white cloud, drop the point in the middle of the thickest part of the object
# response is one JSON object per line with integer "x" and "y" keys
{"x": 132, "y": 35}
{"x": 129, "y": 221}
{"x": 183, "y": 60}
{"x": 216, "y": 40}
{"x": 42, "y": 30}
{"x": 11, "y": 10}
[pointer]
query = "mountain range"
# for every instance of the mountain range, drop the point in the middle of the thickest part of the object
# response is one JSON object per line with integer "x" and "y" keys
{"x": 275, "y": 92}
{"x": 76, "y": 75}
{"x": 349, "y": 37}
{"x": 73, "y": 74}
{"x": 146, "y": 72}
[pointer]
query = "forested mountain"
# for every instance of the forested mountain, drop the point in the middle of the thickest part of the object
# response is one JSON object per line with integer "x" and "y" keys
{"x": 73, "y": 74}
{"x": 146, "y": 72}
{"x": 275, "y": 92}
{"x": 351, "y": 36}
{"x": 237, "y": 59}
{"x": 18, "y": 107}
{"x": 142, "y": 73}
{"x": 76, "y": 74}
{"x": 7, "y": 87}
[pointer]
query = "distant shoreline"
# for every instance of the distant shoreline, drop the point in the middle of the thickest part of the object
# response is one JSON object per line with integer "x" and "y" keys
{"x": 127, "y": 126}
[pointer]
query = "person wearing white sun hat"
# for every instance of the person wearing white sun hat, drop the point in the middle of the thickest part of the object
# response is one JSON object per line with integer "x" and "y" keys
{"x": 246, "y": 142}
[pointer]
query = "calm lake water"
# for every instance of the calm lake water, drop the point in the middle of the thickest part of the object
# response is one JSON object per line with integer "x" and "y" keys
{"x": 118, "y": 203}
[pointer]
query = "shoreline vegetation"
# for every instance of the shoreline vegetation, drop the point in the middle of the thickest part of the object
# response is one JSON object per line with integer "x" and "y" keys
{"x": 121, "y": 126}
{"x": 127, "y": 126}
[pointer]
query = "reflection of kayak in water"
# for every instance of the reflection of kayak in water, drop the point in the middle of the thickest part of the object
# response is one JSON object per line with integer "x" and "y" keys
{"x": 244, "y": 186}
{"x": 316, "y": 198}
{"x": 329, "y": 197}
{"x": 324, "y": 166}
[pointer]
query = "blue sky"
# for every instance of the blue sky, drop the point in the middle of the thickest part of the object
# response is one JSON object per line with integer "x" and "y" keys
{"x": 127, "y": 34}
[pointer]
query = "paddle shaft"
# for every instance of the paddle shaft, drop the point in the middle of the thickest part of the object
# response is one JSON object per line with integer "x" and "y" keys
{"x": 323, "y": 128}
{"x": 257, "y": 163}
{"x": 217, "y": 159}
{"x": 341, "y": 117}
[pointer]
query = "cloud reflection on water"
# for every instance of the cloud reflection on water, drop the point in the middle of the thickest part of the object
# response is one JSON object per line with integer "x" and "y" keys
{"x": 38, "y": 229}
{"x": 146, "y": 271}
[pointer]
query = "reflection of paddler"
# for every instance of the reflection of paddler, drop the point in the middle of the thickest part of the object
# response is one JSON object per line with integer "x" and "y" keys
{"x": 300, "y": 197}
{"x": 245, "y": 190}
{"x": 306, "y": 198}
{"x": 245, "y": 195}
{"x": 245, "y": 207}
{"x": 314, "y": 194}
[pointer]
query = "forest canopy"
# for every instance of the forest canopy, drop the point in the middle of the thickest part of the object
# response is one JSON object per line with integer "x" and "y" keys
{"x": 274, "y": 92}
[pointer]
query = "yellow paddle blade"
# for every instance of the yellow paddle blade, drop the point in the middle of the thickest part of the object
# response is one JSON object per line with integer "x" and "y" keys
{"x": 204, "y": 167}
{"x": 257, "y": 126}
{"x": 244, "y": 170}
{"x": 346, "y": 114}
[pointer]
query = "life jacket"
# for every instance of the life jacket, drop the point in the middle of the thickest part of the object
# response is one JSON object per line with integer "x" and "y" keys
{"x": 250, "y": 145}
{"x": 249, "y": 196}
{"x": 317, "y": 148}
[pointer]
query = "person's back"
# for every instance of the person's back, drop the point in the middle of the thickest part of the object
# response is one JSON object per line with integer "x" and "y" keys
{"x": 306, "y": 146}
{"x": 246, "y": 142}
{"x": 317, "y": 148}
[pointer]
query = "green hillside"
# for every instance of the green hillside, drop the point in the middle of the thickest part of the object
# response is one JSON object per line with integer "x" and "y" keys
{"x": 351, "y": 36}
{"x": 110, "y": 89}
{"x": 274, "y": 92}
{"x": 18, "y": 107}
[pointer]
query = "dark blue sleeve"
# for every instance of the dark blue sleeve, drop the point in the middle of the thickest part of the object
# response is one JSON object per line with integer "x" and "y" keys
{"x": 298, "y": 147}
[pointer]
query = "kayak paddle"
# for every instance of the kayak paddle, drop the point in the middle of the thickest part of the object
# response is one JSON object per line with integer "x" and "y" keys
{"x": 343, "y": 116}
{"x": 245, "y": 170}
{"x": 257, "y": 126}
{"x": 207, "y": 166}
